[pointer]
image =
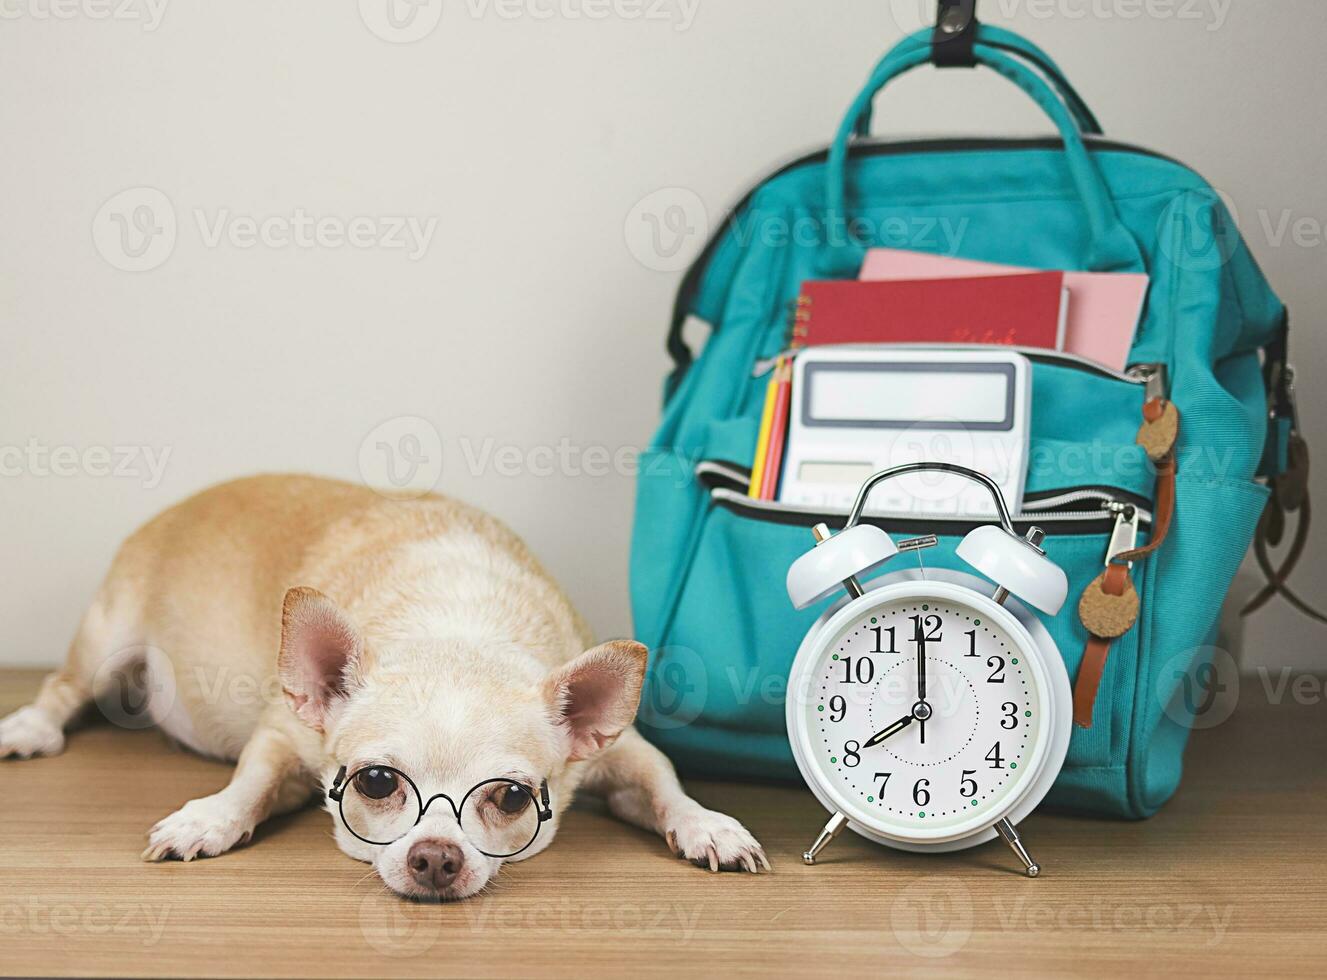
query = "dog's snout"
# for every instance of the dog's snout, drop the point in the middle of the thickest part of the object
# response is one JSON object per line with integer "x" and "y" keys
{"x": 434, "y": 864}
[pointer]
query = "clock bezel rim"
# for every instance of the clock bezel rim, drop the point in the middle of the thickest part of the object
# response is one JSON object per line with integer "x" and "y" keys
{"x": 1018, "y": 621}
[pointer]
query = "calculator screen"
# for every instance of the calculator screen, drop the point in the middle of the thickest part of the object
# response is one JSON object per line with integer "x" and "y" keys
{"x": 977, "y": 397}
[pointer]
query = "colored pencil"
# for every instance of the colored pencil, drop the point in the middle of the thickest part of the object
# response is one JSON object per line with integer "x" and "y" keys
{"x": 762, "y": 440}
{"x": 778, "y": 432}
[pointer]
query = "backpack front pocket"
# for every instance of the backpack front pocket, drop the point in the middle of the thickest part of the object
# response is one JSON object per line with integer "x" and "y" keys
{"x": 718, "y": 679}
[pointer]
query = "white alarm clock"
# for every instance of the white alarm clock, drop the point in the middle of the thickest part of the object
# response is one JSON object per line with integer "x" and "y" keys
{"x": 927, "y": 710}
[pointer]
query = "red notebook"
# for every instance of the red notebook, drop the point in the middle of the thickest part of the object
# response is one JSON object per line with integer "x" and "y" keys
{"x": 1026, "y": 310}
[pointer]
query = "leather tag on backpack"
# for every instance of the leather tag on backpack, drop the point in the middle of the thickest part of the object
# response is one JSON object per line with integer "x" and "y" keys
{"x": 1109, "y": 607}
{"x": 1160, "y": 429}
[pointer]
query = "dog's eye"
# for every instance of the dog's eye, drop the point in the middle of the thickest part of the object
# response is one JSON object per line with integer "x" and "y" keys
{"x": 376, "y": 784}
{"x": 512, "y": 798}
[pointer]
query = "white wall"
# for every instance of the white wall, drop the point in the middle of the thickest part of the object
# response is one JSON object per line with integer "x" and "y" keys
{"x": 528, "y": 319}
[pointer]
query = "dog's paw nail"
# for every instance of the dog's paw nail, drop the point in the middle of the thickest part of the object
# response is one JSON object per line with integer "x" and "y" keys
{"x": 715, "y": 842}
{"x": 199, "y": 829}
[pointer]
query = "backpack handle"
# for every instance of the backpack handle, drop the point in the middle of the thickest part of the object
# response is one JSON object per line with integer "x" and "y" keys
{"x": 1111, "y": 247}
{"x": 1020, "y": 47}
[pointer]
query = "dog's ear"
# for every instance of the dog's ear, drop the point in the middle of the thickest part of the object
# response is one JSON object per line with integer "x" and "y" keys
{"x": 320, "y": 654}
{"x": 596, "y": 695}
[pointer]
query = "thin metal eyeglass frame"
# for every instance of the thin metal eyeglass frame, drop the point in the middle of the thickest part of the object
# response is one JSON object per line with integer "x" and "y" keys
{"x": 337, "y": 793}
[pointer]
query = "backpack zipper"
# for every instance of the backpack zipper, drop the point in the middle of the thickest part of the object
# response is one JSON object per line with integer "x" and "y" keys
{"x": 1149, "y": 375}
{"x": 1101, "y": 520}
{"x": 1076, "y": 511}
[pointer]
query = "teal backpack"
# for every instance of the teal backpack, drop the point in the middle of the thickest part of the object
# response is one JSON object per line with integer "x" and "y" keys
{"x": 708, "y": 563}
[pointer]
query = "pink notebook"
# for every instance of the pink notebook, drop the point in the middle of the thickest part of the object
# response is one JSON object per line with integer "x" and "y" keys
{"x": 1104, "y": 307}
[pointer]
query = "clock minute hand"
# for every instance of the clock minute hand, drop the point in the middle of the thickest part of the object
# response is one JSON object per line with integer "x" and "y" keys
{"x": 921, "y": 710}
{"x": 889, "y": 732}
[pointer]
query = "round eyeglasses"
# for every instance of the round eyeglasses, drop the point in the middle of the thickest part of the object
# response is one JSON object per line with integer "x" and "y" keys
{"x": 380, "y": 805}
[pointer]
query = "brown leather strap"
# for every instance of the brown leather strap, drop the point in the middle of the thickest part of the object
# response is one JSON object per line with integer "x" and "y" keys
{"x": 1092, "y": 668}
{"x": 1165, "y": 511}
{"x": 1089, "y": 679}
{"x": 1155, "y": 412}
{"x": 1278, "y": 577}
{"x": 1290, "y": 495}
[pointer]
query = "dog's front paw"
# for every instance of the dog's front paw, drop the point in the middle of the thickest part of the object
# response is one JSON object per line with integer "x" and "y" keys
{"x": 713, "y": 840}
{"x": 201, "y": 828}
{"x": 30, "y": 732}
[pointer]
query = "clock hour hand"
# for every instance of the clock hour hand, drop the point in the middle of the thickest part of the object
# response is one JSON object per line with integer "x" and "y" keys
{"x": 889, "y": 732}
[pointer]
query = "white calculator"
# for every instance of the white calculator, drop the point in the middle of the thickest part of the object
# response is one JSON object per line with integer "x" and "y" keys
{"x": 858, "y": 410}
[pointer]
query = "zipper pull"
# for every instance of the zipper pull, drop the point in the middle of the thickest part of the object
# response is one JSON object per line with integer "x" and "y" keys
{"x": 1108, "y": 609}
{"x": 1109, "y": 606}
{"x": 1124, "y": 536}
{"x": 1156, "y": 384}
{"x": 1160, "y": 430}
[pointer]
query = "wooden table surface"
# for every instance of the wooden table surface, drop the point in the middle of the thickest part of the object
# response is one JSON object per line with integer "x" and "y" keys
{"x": 1229, "y": 879}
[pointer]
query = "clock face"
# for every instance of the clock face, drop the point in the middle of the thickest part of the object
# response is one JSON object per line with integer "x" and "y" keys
{"x": 957, "y": 753}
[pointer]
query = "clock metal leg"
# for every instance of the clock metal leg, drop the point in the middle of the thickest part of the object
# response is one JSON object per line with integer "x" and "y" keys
{"x": 832, "y": 830}
{"x": 1010, "y": 834}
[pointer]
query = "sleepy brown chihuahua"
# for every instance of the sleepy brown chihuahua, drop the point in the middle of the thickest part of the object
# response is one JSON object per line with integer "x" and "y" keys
{"x": 423, "y": 674}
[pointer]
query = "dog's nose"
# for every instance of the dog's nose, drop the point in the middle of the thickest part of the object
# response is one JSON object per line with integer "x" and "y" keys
{"x": 434, "y": 864}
